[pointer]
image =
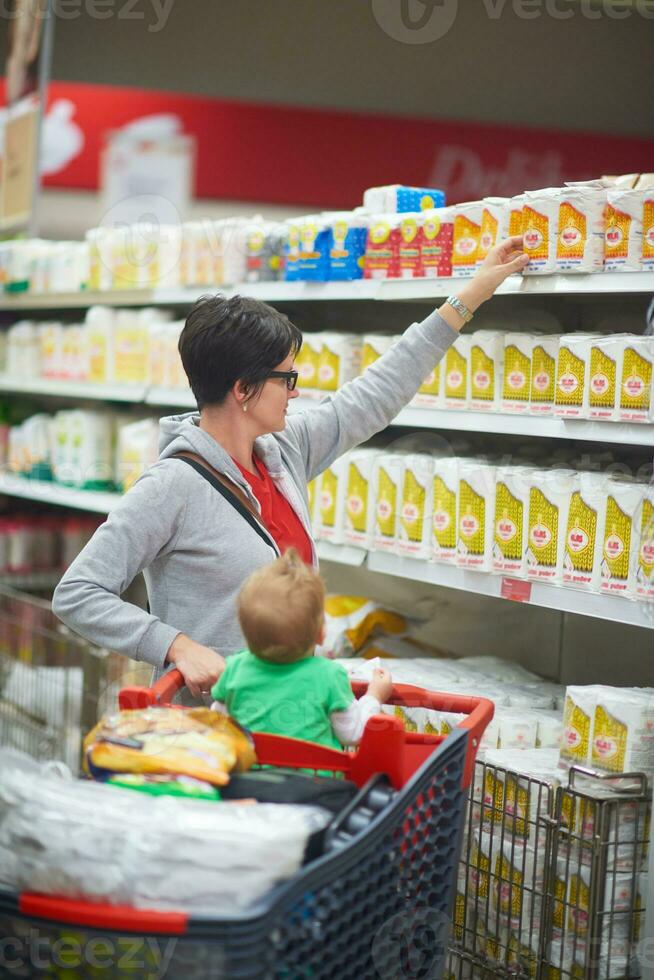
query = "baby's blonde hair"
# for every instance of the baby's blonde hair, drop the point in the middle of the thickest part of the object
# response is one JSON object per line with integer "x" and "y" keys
{"x": 281, "y": 609}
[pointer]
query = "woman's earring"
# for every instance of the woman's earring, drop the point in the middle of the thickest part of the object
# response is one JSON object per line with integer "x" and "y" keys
{"x": 245, "y": 407}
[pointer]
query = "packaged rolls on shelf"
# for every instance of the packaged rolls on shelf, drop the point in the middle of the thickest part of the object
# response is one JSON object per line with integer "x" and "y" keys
{"x": 465, "y": 244}
{"x": 549, "y": 497}
{"x": 600, "y": 394}
{"x": 578, "y": 713}
{"x": 516, "y": 385}
{"x": 307, "y": 361}
{"x": 74, "y": 353}
{"x": 137, "y": 450}
{"x": 486, "y": 365}
{"x": 340, "y": 360}
{"x": 197, "y": 260}
{"x": 51, "y": 343}
{"x": 401, "y": 198}
{"x": 359, "y": 499}
{"x": 511, "y": 520}
{"x": 313, "y": 265}
{"x": 494, "y": 227}
{"x": 264, "y": 250}
{"x": 410, "y": 252}
{"x": 23, "y": 350}
{"x": 623, "y": 237}
{"x": 292, "y": 250}
{"x": 84, "y": 446}
{"x": 475, "y": 511}
{"x": 543, "y": 375}
{"x": 549, "y": 730}
{"x": 580, "y": 241}
{"x": 387, "y": 475}
{"x": 540, "y": 215}
{"x": 100, "y": 322}
{"x": 648, "y": 230}
{"x": 346, "y": 244}
{"x": 382, "y": 257}
{"x": 582, "y": 557}
{"x": 645, "y": 567}
{"x": 517, "y": 729}
{"x": 374, "y": 346}
{"x": 131, "y": 337}
{"x": 414, "y": 508}
{"x": 516, "y": 214}
{"x": 444, "y": 526}
{"x": 436, "y": 243}
{"x": 624, "y": 501}
{"x": 456, "y": 373}
{"x": 636, "y": 374}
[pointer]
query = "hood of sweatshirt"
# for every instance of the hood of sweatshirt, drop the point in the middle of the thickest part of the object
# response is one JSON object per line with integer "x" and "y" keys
{"x": 182, "y": 433}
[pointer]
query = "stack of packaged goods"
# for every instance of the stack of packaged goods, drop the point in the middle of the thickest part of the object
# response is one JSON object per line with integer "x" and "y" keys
{"x": 83, "y": 449}
{"x": 557, "y": 524}
{"x": 111, "y": 346}
{"x": 608, "y": 378}
{"x": 33, "y": 543}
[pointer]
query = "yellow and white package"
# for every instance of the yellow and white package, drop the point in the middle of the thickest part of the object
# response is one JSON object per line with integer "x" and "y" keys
{"x": 196, "y": 261}
{"x": 412, "y": 718}
{"x": 430, "y": 394}
{"x": 387, "y": 476}
{"x": 331, "y": 500}
{"x": 518, "y": 880}
{"x": 516, "y": 214}
{"x": 475, "y": 513}
{"x": 624, "y": 501}
{"x": 549, "y": 497}
{"x": 518, "y": 729}
{"x": 543, "y": 375}
{"x": 374, "y": 346}
{"x": 414, "y": 508}
{"x": 157, "y": 354}
{"x": 606, "y": 354}
{"x": 578, "y": 714}
{"x": 511, "y": 525}
{"x": 467, "y": 230}
{"x": 495, "y": 219}
{"x": 137, "y": 449}
{"x": 340, "y": 360}
{"x": 479, "y": 867}
{"x": 623, "y": 236}
{"x": 307, "y": 361}
{"x": 645, "y": 566}
{"x": 549, "y": 731}
{"x": 84, "y": 448}
{"x": 456, "y": 373}
{"x": 572, "y": 371}
{"x": 540, "y": 217}
{"x": 359, "y": 498}
{"x": 100, "y": 326}
{"x": 582, "y": 556}
{"x": 174, "y": 368}
{"x": 74, "y": 353}
{"x": 648, "y": 229}
{"x": 636, "y": 378}
{"x": 131, "y": 344}
{"x": 351, "y": 621}
{"x": 444, "y": 495}
{"x": 486, "y": 365}
{"x": 51, "y": 337}
{"x": 580, "y": 241}
{"x": 516, "y": 386}
{"x": 623, "y": 731}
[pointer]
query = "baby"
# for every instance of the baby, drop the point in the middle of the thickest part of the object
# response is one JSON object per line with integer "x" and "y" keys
{"x": 277, "y": 685}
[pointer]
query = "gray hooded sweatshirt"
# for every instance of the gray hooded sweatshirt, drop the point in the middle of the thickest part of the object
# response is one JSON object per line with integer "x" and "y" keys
{"x": 194, "y": 548}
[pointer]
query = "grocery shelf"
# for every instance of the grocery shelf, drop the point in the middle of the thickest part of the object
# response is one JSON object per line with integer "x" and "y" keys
{"x": 74, "y": 389}
{"x": 389, "y": 290}
{"x": 344, "y": 554}
{"x": 613, "y": 608}
{"x": 174, "y": 397}
{"x": 95, "y": 501}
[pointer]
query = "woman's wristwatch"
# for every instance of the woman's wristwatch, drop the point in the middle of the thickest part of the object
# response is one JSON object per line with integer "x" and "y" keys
{"x": 460, "y": 308}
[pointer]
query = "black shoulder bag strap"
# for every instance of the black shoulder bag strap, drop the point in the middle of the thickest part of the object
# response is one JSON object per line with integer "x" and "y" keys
{"x": 212, "y": 477}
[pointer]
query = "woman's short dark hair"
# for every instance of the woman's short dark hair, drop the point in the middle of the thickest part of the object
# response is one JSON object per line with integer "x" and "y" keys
{"x": 229, "y": 340}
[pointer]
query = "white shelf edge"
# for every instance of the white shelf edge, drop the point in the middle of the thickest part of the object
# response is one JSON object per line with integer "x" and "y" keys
{"x": 77, "y": 389}
{"x": 175, "y": 397}
{"x": 94, "y": 501}
{"x": 614, "y": 608}
{"x": 344, "y": 554}
{"x": 389, "y": 290}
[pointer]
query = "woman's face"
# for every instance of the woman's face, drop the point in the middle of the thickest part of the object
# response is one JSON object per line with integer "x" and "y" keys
{"x": 268, "y": 411}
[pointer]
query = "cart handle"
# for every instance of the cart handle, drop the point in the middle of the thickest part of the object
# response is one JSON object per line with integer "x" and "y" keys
{"x": 479, "y": 710}
{"x": 101, "y": 915}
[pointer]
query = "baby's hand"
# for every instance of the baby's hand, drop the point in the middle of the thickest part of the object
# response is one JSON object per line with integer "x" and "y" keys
{"x": 381, "y": 685}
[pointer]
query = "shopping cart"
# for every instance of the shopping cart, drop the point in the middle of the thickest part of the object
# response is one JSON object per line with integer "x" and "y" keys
{"x": 376, "y": 904}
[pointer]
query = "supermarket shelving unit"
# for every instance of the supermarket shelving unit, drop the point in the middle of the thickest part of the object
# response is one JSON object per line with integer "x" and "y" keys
{"x": 380, "y": 302}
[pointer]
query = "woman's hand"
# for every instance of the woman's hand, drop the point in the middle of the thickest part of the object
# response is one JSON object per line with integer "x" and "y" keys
{"x": 502, "y": 261}
{"x": 200, "y": 666}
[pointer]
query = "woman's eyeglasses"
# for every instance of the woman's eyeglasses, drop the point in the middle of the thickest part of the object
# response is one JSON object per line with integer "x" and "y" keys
{"x": 290, "y": 376}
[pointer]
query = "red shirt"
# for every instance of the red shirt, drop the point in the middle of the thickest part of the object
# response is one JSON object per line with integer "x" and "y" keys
{"x": 277, "y": 515}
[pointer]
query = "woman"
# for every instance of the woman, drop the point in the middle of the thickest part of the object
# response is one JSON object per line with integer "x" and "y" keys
{"x": 195, "y": 547}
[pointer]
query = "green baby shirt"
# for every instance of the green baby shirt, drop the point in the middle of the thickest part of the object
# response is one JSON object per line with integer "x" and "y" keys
{"x": 295, "y": 699}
